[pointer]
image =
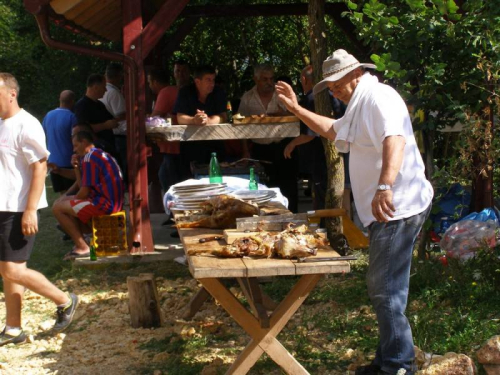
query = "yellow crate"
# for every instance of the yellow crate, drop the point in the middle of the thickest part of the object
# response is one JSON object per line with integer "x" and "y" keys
{"x": 109, "y": 234}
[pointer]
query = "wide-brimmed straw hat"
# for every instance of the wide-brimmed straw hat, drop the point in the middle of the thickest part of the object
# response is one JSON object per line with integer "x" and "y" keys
{"x": 337, "y": 66}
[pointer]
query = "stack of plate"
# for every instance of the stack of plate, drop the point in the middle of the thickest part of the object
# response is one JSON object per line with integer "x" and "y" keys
{"x": 255, "y": 196}
{"x": 190, "y": 197}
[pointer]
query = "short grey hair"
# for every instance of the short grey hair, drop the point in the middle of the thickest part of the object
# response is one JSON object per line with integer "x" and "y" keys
{"x": 10, "y": 82}
{"x": 258, "y": 69}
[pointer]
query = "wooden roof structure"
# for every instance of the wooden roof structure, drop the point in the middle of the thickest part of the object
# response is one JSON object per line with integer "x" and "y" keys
{"x": 141, "y": 25}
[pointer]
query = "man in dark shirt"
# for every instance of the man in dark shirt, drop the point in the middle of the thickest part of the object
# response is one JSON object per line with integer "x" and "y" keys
{"x": 201, "y": 103}
{"x": 93, "y": 112}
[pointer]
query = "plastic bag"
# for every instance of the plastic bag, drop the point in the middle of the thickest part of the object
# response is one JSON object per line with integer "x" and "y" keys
{"x": 462, "y": 239}
{"x": 157, "y": 122}
{"x": 484, "y": 215}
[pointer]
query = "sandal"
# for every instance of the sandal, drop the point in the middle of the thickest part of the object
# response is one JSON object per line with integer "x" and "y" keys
{"x": 73, "y": 255}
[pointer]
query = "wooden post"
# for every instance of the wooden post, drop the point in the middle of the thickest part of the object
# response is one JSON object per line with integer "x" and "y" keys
{"x": 143, "y": 304}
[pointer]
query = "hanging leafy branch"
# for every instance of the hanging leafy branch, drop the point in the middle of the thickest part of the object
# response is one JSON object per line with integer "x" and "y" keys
{"x": 445, "y": 61}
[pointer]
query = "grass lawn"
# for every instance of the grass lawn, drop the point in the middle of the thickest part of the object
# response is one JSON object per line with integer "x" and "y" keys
{"x": 451, "y": 308}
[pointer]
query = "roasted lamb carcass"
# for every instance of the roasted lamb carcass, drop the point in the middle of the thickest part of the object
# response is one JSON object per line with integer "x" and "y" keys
{"x": 221, "y": 213}
{"x": 298, "y": 242}
{"x": 259, "y": 246}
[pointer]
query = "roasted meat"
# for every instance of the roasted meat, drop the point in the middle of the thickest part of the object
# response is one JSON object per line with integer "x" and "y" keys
{"x": 221, "y": 212}
{"x": 254, "y": 246}
{"x": 294, "y": 242}
{"x": 298, "y": 242}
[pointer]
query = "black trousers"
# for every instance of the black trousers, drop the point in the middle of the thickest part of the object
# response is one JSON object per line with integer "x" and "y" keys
{"x": 283, "y": 173}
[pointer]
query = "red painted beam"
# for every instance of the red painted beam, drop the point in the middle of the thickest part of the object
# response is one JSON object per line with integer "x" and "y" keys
{"x": 142, "y": 239}
{"x": 35, "y": 6}
{"x": 161, "y": 22}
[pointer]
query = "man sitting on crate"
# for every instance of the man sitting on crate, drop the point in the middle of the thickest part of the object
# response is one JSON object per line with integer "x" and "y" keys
{"x": 100, "y": 193}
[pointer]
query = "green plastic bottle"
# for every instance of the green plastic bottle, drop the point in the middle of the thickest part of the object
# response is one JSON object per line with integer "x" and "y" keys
{"x": 252, "y": 185}
{"x": 93, "y": 255}
{"x": 229, "y": 112}
{"x": 214, "y": 170}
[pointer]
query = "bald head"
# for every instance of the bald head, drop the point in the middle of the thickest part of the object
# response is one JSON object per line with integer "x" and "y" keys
{"x": 306, "y": 78}
{"x": 67, "y": 99}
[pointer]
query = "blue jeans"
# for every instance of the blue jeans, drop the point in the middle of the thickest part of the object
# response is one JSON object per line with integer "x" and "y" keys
{"x": 388, "y": 280}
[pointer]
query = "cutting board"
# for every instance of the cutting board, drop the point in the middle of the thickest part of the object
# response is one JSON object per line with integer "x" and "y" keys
{"x": 270, "y": 223}
{"x": 355, "y": 238}
{"x": 264, "y": 120}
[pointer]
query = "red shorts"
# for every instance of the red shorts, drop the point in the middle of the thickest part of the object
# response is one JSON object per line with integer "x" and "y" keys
{"x": 85, "y": 210}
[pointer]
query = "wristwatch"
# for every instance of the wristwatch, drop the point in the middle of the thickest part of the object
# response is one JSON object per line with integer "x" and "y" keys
{"x": 384, "y": 187}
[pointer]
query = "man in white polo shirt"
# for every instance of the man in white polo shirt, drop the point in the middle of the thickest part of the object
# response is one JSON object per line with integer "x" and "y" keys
{"x": 391, "y": 192}
{"x": 263, "y": 100}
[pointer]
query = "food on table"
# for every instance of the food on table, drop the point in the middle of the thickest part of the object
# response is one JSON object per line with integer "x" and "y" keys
{"x": 298, "y": 242}
{"x": 220, "y": 212}
{"x": 293, "y": 242}
{"x": 238, "y": 116}
{"x": 260, "y": 246}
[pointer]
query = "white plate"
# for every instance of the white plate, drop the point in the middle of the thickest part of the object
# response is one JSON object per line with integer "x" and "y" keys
{"x": 254, "y": 194}
{"x": 199, "y": 187}
{"x": 200, "y": 193}
{"x": 181, "y": 208}
{"x": 201, "y": 198}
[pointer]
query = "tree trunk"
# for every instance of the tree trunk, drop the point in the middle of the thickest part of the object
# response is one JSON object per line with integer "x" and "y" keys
{"x": 144, "y": 304}
{"x": 482, "y": 183}
{"x": 334, "y": 160}
{"x": 428, "y": 138}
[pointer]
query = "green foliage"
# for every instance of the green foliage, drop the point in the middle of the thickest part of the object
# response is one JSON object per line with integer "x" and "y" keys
{"x": 42, "y": 72}
{"x": 433, "y": 53}
{"x": 232, "y": 45}
{"x": 453, "y": 307}
{"x": 235, "y": 45}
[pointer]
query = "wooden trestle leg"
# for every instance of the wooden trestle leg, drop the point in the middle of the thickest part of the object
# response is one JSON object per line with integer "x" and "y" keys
{"x": 263, "y": 339}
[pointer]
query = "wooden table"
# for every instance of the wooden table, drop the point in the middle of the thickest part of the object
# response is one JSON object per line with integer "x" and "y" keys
{"x": 224, "y": 131}
{"x": 260, "y": 326}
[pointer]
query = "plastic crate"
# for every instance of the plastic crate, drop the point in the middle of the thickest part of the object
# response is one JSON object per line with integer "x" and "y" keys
{"x": 109, "y": 234}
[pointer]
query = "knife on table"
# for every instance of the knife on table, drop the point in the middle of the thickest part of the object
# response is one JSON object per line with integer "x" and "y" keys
{"x": 325, "y": 259}
{"x": 208, "y": 239}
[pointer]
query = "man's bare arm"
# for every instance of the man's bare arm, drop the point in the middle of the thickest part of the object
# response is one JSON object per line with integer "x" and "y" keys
{"x": 184, "y": 119}
{"x": 29, "y": 221}
{"x": 110, "y": 124}
{"x": 217, "y": 119}
{"x": 319, "y": 124}
{"x": 159, "y": 113}
{"x": 83, "y": 193}
{"x": 392, "y": 159}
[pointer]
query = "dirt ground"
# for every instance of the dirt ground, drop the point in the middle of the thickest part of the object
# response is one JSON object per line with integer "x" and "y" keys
{"x": 101, "y": 340}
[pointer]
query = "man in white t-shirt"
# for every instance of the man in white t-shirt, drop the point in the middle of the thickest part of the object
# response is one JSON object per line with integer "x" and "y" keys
{"x": 23, "y": 167}
{"x": 114, "y": 101}
{"x": 391, "y": 192}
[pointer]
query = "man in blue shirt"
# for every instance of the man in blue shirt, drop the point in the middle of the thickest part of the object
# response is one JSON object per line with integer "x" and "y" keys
{"x": 57, "y": 125}
{"x": 201, "y": 103}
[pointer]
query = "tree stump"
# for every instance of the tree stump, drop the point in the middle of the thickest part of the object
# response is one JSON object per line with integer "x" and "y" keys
{"x": 144, "y": 307}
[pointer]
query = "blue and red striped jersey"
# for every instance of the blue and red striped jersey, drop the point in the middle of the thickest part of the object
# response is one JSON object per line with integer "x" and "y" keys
{"x": 101, "y": 173}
